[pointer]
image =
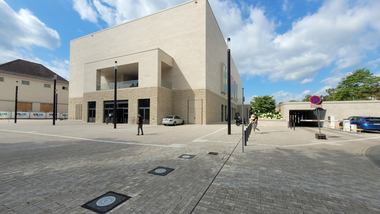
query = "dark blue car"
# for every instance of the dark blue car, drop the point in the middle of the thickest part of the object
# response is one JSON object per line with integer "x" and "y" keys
{"x": 365, "y": 123}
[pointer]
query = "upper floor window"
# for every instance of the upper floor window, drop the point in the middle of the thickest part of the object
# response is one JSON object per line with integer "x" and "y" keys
{"x": 1, "y": 79}
{"x": 65, "y": 88}
{"x": 47, "y": 85}
{"x": 24, "y": 82}
{"x": 223, "y": 84}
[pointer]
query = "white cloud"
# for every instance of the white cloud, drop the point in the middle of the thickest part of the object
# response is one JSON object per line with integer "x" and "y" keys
{"x": 283, "y": 96}
{"x": 322, "y": 91}
{"x": 20, "y": 32}
{"x": 374, "y": 62}
{"x": 340, "y": 32}
{"x": 286, "y": 6}
{"x": 85, "y": 10}
{"x": 114, "y": 12}
{"x": 333, "y": 80}
{"x": 305, "y": 81}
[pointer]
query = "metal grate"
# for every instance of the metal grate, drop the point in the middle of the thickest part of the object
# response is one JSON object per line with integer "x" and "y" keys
{"x": 106, "y": 202}
{"x": 161, "y": 171}
{"x": 186, "y": 156}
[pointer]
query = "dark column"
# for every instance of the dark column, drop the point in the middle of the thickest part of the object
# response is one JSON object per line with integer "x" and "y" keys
{"x": 115, "y": 98}
{"x": 16, "y": 101}
{"x": 229, "y": 90}
{"x": 54, "y": 113}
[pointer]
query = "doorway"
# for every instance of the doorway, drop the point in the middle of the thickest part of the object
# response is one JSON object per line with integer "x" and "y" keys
{"x": 121, "y": 111}
{"x": 195, "y": 111}
{"x": 144, "y": 110}
{"x": 91, "y": 112}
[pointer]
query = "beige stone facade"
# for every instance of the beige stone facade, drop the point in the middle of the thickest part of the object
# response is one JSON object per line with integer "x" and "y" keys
{"x": 35, "y": 93}
{"x": 339, "y": 110}
{"x": 175, "y": 58}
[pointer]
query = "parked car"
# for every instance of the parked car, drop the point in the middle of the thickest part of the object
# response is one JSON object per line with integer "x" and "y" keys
{"x": 172, "y": 120}
{"x": 365, "y": 123}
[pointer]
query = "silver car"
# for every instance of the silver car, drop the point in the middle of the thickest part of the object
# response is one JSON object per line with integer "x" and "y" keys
{"x": 172, "y": 120}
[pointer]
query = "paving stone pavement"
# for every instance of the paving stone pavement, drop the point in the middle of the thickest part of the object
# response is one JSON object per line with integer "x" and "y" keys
{"x": 56, "y": 169}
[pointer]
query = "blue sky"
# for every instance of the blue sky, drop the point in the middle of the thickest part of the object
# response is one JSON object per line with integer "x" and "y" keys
{"x": 282, "y": 48}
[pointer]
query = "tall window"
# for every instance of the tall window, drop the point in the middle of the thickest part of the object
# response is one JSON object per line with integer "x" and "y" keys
{"x": 1, "y": 79}
{"x": 224, "y": 79}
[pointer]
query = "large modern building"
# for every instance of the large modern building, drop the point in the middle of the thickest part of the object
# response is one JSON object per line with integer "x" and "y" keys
{"x": 170, "y": 62}
{"x": 35, "y": 88}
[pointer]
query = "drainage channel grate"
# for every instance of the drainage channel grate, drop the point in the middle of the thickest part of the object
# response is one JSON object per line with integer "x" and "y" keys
{"x": 185, "y": 156}
{"x": 161, "y": 171}
{"x": 106, "y": 202}
{"x": 213, "y": 153}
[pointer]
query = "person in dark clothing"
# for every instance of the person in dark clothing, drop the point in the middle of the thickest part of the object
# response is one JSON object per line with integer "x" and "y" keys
{"x": 140, "y": 121}
{"x": 255, "y": 122}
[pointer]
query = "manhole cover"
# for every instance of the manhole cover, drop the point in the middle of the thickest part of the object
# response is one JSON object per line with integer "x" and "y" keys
{"x": 106, "y": 202}
{"x": 161, "y": 171}
{"x": 213, "y": 153}
{"x": 185, "y": 156}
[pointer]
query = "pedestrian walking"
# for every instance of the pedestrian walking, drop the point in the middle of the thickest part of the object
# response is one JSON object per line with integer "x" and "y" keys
{"x": 140, "y": 121}
{"x": 255, "y": 122}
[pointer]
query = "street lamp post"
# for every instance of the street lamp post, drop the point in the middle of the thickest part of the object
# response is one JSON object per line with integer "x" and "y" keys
{"x": 54, "y": 98}
{"x": 115, "y": 97}
{"x": 229, "y": 86}
{"x": 16, "y": 101}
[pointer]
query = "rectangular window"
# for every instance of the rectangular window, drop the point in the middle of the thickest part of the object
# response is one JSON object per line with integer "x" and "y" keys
{"x": 46, "y": 107}
{"x": 65, "y": 88}
{"x": 24, "y": 107}
{"x": 1, "y": 79}
{"x": 25, "y": 82}
{"x": 47, "y": 85}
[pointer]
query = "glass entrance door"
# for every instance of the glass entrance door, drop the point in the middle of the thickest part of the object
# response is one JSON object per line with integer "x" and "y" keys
{"x": 91, "y": 118}
{"x": 121, "y": 111}
{"x": 144, "y": 110}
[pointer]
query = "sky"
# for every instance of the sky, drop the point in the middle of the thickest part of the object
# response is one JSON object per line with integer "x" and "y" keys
{"x": 282, "y": 48}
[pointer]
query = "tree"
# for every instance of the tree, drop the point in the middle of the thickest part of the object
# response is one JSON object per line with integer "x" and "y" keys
{"x": 293, "y": 101}
{"x": 359, "y": 85}
{"x": 263, "y": 104}
{"x": 307, "y": 98}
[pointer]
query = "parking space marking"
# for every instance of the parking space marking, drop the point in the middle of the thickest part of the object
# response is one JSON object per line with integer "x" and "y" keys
{"x": 203, "y": 140}
{"x": 100, "y": 141}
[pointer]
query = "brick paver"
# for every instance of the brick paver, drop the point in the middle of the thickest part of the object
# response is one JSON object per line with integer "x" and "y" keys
{"x": 56, "y": 169}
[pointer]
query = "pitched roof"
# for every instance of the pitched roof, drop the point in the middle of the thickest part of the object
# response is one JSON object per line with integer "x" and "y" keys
{"x": 24, "y": 68}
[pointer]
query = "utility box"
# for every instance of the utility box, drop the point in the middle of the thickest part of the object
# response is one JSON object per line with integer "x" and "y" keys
{"x": 332, "y": 122}
{"x": 346, "y": 125}
{"x": 354, "y": 128}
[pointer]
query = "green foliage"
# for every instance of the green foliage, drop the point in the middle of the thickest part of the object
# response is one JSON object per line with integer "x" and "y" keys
{"x": 263, "y": 104}
{"x": 359, "y": 85}
{"x": 267, "y": 116}
{"x": 293, "y": 101}
{"x": 307, "y": 98}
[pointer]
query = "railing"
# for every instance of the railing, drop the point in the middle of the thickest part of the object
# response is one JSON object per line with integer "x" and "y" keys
{"x": 125, "y": 84}
{"x": 166, "y": 84}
